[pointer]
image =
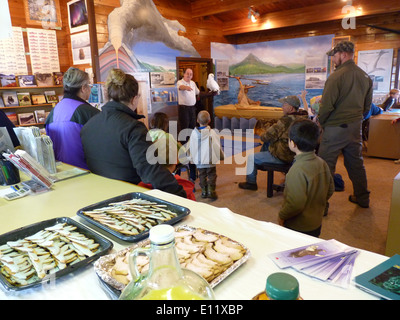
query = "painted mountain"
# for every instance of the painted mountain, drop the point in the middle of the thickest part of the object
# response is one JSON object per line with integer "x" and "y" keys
{"x": 253, "y": 65}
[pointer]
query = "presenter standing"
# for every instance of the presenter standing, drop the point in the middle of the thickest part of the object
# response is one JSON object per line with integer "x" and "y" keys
{"x": 187, "y": 92}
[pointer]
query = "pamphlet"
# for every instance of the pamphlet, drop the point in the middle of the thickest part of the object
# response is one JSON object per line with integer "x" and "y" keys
{"x": 329, "y": 261}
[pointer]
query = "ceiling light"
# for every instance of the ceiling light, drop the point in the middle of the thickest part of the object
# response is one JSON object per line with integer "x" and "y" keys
{"x": 253, "y": 15}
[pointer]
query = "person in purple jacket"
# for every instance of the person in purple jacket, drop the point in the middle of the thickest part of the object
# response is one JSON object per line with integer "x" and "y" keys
{"x": 65, "y": 121}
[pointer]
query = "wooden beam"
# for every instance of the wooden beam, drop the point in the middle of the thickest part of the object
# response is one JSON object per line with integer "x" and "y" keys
{"x": 93, "y": 39}
{"x": 202, "y": 8}
{"x": 319, "y": 13}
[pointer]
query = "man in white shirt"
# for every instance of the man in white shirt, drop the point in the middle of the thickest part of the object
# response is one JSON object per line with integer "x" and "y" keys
{"x": 187, "y": 92}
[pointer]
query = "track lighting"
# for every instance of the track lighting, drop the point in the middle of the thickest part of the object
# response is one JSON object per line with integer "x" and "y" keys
{"x": 253, "y": 15}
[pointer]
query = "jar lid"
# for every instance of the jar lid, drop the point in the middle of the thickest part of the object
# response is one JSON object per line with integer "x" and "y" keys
{"x": 282, "y": 286}
{"x": 162, "y": 233}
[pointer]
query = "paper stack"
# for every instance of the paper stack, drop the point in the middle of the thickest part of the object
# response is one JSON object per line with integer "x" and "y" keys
{"x": 329, "y": 261}
{"x": 39, "y": 147}
{"x": 24, "y": 162}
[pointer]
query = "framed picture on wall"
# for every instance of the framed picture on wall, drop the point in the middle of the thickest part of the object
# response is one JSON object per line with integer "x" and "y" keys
{"x": 44, "y": 13}
{"x": 77, "y": 16}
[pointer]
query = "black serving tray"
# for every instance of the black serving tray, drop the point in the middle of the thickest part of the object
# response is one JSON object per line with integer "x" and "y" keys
{"x": 104, "y": 248}
{"x": 181, "y": 211}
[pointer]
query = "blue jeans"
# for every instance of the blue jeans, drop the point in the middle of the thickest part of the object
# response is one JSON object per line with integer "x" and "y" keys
{"x": 255, "y": 159}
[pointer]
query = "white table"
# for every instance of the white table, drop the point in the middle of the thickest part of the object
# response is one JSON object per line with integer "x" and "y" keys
{"x": 261, "y": 238}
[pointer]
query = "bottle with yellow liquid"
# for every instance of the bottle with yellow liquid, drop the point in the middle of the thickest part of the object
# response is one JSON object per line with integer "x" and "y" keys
{"x": 165, "y": 280}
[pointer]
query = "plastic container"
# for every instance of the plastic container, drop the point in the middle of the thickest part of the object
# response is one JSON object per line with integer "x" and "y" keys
{"x": 280, "y": 286}
{"x": 165, "y": 280}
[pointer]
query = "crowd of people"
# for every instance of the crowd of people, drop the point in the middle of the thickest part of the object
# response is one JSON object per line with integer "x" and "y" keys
{"x": 114, "y": 142}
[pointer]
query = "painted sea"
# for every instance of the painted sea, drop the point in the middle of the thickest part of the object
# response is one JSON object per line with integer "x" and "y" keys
{"x": 280, "y": 85}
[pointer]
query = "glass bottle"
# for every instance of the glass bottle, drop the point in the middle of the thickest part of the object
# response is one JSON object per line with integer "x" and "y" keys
{"x": 165, "y": 280}
{"x": 280, "y": 286}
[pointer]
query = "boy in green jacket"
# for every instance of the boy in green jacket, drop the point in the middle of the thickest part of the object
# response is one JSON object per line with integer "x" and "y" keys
{"x": 309, "y": 183}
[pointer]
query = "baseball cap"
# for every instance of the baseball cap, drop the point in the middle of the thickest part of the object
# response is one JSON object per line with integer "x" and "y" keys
{"x": 294, "y": 101}
{"x": 342, "y": 46}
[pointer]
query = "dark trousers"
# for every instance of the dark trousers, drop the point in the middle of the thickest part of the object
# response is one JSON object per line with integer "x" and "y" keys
{"x": 187, "y": 117}
{"x": 315, "y": 233}
{"x": 346, "y": 139}
{"x": 208, "y": 177}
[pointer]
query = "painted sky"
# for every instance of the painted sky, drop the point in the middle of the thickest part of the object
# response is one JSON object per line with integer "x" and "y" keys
{"x": 274, "y": 52}
{"x": 157, "y": 54}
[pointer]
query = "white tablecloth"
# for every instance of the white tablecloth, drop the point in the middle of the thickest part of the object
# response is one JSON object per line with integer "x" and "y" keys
{"x": 261, "y": 238}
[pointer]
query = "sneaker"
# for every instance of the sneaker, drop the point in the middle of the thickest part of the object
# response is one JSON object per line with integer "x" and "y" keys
{"x": 204, "y": 192}
{"x": 354, "y": 200}
{"x": 248, "y": 186}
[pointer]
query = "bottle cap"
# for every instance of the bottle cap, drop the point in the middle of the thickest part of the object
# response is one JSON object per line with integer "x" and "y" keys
{"x": 282, "y": 286}
{"x": 162, "y": 233}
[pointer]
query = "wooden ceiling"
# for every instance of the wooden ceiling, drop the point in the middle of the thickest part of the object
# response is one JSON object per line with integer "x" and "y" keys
{"x": 233, "y": 14}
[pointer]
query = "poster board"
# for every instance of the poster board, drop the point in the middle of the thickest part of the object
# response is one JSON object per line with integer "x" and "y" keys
{"x": 378, "y": 65}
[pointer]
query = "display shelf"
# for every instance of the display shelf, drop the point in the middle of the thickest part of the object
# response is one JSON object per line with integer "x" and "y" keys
{"x": 31, "y": 106}
{"x": 29, "y": 88}
{"x": 14, "y": 111}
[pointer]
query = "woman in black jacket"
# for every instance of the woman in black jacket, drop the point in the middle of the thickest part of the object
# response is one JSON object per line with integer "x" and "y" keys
{"x": 114, "y": 141}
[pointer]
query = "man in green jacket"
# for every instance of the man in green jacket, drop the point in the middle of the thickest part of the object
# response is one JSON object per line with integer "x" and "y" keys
{"x": 347, "y": 95}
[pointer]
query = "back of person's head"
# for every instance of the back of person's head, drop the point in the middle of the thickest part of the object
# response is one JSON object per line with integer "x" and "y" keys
{"x": 203, "y": 118}
{"x": 159, "y": 121}
{"x": 121, "y": 87}
{"x": 305, "y": 134}
{"x": 74, "y": 79}
{"x": 394, "y": 92}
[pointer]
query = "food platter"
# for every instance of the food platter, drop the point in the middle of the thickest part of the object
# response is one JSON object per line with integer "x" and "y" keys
{"x": 113, "y": 269}
{"x": 49, "y": 250}
{"x": 121, "y": 217}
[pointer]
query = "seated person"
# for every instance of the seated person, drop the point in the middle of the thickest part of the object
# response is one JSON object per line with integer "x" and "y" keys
{"x": 114, "y": 141}
{"x": 165, "y": 152}
{"x": 277, "y": 136}
{"x": 66, "y": 119}
{"x": 373, "y": 111}
{"x": 159, "y": 126}
{"x": 309, "y": 183}
{"x": 313, "y": 108}
{"x": 5, "y": 122}
{"x": 391, "y": 101}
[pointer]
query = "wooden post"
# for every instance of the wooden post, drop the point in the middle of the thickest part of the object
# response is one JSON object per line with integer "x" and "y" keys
{"x": 93, "y": 40}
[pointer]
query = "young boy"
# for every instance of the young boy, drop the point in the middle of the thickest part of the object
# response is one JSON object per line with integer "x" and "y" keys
{"x": 205, "y": 152}
{"x": 309, "y": 182}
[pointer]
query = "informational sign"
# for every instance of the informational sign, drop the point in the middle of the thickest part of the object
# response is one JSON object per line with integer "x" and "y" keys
{"x": 378, "y": 65}
{"x": 316, "y": 71}
{"x": 43, "y": 50}
{"x": 12, "y": 54}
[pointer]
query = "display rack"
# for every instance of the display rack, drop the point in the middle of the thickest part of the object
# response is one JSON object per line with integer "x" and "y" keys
{"x": 31, "y": 108}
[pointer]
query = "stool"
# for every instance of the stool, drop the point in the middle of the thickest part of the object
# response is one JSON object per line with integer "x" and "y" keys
{"x": 270, "y": 168}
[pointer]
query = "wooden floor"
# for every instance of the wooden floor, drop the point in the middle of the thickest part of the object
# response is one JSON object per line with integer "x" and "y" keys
{"x": 346, "y": 222}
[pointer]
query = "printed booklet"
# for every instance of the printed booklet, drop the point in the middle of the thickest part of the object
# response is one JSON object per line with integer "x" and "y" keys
{"x": 383, "y": 280}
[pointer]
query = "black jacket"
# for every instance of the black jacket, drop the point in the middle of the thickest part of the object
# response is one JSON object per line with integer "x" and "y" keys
{"x": 115, "y": 146}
